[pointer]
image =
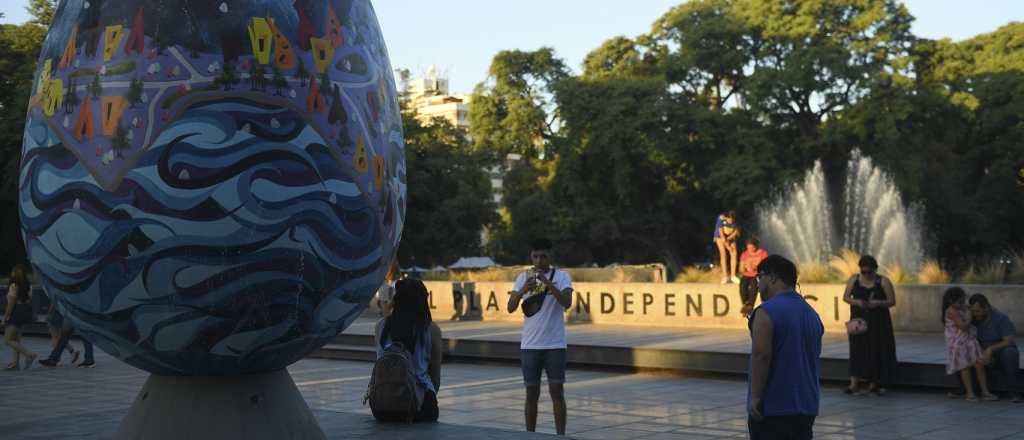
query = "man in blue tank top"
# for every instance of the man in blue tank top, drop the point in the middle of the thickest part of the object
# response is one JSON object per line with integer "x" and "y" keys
{"x": 784, "y": 389}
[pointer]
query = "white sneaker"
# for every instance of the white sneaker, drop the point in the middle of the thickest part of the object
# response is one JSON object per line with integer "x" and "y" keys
{"x": 725, "y": 280}
{"x": 735, "y": 280}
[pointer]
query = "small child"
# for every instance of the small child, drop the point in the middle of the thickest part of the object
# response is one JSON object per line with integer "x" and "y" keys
{"x": 962, "y": 347}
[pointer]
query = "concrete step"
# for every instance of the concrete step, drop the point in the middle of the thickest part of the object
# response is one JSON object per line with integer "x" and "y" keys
{"x": 353, "y": 339}
{"x": 345, "y": 352}
{"x": 359, "y": 347}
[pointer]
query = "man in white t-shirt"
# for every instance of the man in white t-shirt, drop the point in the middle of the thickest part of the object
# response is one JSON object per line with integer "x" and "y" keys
{"x": 545, "y": 293}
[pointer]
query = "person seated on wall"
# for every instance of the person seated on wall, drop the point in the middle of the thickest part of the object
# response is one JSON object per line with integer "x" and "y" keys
{"x": 726, "y": 234}
{"x": 409, "y": 349}
{"x": 997, "y": 334}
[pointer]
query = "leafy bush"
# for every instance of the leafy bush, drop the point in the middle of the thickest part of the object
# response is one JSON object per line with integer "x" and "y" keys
{"x": 846, "y": 264}
{"x": 816, "y": 273}
{"x": 1017, "y": 268}
{"x": 991, "y": 272}
{"x": 897, "y": 274}
{"x": 932, "y": 273}
{"x": 694, "y": 274}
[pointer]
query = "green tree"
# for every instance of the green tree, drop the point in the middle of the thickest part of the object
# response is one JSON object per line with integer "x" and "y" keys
{"x": 228, "y": 76}
{"x": 134, "y": 93}
{"x": 514, "y": 110}
{"x": 119, "y": 142}
{"x": 705, "y": 48}
{"x": 71, "y": 99}
{"x": 279, "y": 81}
{"x": 336, "y": 114}
{"x": 19, "y": 50}
{"x": 449, "y": 200}
{"x": 325, "y": 83}
{"x": 195, "y": 44}
{"x": 302, "y": 73}
{"x": 42, "y": 11}
{"x": 256, "y": 77}
{"x": 96, "y": 88}
{"x": 816, "y": 58}
{"x": 621, "y": 56}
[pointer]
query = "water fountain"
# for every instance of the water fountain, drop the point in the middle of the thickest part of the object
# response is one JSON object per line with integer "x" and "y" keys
{"x": 874, "y": 219}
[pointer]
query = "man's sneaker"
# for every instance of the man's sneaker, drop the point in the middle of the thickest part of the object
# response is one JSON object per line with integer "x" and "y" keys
{"x": 48, "y": 363}
{"x": 87, "y": 364}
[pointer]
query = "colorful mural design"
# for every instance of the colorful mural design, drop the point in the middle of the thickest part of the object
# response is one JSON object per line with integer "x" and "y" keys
{"x": 195, "y": 188}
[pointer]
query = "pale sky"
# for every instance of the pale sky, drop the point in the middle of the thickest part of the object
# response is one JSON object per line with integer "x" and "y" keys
{"x": 461, "y": 36}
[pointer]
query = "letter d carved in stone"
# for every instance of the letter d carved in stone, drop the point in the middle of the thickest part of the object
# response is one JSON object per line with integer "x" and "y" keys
{"x": 607, "y": 303}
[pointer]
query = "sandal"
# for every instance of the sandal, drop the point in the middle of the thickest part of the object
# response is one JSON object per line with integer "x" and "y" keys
{"x": 989, "y": 397}
{"x": 971, "y": 398}
{"x": 12, "y": 367}
{"x": 31, "y": 359}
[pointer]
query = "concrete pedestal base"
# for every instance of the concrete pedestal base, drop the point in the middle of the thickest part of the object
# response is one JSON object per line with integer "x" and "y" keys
{"x": 262, "y": 406}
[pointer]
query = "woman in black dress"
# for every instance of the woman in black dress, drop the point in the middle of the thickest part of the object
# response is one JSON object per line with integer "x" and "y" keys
{"x": 873, "y": 353}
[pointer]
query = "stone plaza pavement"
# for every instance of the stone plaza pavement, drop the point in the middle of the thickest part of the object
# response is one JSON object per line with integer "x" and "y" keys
{"x": 485, "y": 402}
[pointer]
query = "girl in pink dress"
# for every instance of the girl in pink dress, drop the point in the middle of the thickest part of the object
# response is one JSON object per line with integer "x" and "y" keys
{"x": 962, "y": 348}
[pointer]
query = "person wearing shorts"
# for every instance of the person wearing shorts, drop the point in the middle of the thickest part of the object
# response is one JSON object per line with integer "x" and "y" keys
{"x": 545, "y": 293}
{"x": 726, "y": 234}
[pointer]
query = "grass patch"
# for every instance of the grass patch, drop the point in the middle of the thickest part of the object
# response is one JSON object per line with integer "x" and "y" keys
{"x": 175, "y": 96}
{"x": 846, "y": 264}
{"x": 932, "y": 273}
{"x": 621, "y": 274}
{"x": 991, "y": 272}
{"x": 816, "y": 273}
{"x": 897, "y": 274}
{"x": 694, "y": 274}
{"x": 120, "y": 69}
{"x": 1016, "y": 268}
{"x": 83, "y": 72}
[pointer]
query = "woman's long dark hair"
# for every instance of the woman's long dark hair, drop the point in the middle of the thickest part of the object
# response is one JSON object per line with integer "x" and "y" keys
{"x": 19, "y": 279}
{"x": 410, "y": 316}
{"x": 952, "y": 296}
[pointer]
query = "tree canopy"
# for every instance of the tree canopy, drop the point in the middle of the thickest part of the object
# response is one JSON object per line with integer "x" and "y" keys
{"x": 725, "y": 102}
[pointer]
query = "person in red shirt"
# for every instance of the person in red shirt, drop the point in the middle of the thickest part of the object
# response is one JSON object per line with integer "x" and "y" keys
{"x": 751, "y": 257}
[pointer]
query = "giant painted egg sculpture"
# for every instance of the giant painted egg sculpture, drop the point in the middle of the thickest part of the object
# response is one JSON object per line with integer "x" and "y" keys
{"x": 212, "y": 187}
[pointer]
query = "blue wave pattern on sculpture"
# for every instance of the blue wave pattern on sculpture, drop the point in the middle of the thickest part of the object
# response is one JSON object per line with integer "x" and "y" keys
{"x": 244, "y": 235}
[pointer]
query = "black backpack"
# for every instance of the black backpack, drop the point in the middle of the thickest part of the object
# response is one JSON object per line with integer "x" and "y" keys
{"x": 393, "y": 392}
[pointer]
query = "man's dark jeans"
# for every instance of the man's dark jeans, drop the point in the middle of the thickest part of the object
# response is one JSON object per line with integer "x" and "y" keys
{"x": 782, "y": 428}
{"x": 66, "y": 332}
{"x": 1007, "y": 362}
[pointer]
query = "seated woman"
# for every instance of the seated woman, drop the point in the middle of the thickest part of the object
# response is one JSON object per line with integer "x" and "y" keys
{"x": 410, "y": 325}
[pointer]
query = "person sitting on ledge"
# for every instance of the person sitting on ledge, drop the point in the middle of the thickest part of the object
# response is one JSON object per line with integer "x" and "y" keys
{"x": 996, "y": 333}
{"x": 726, "y": 234}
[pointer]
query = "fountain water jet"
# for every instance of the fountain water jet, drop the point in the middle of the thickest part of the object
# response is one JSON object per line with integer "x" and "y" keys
{"x": 799, "y": 224}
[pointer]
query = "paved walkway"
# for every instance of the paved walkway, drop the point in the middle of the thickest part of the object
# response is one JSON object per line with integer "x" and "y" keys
{"x": 485, "y": 401}
{"x": 911, "y": 347}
